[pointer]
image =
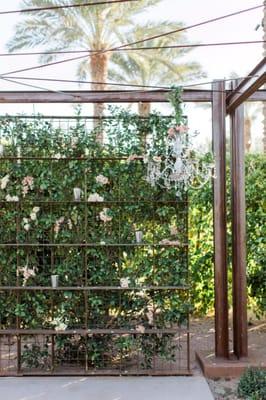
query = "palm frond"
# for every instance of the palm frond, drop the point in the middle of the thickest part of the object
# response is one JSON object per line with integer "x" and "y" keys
{"x": 102, "y": 27}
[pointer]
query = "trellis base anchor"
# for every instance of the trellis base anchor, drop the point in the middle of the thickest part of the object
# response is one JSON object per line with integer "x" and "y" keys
{"x": 213, "y": 367}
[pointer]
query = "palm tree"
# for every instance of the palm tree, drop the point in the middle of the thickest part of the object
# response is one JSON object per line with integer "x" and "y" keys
{"x": 154, "y": 67}
{"x": 89, "y": 28}
{"x": 93, "y": 28}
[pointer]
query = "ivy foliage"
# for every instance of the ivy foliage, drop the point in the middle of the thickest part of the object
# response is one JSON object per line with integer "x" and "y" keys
{"x": 41, "y": 166}
{"x": 201, "y": 239}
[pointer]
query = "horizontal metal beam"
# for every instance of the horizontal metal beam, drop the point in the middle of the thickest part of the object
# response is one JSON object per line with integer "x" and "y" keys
{"x": 90, "y": 288}
{"x": 96, "y": 331}
{"x": 100, "y": 96}
{"x": 247, "y": 87}
{"x": 260, "y": 95}
{"x": 159, "y": 96}
{"x": 97, "y": 372}
{"x": 92, "y": 245}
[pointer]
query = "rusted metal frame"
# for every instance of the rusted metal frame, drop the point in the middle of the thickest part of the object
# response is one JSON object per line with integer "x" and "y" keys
{"x": 153, "y": 229}
{"x": 103, "y": 372}
{"x": 238, "y": 210}
{"x": 53, "y": 354}
{"x": 13, "y": 158}
{"x": 260, "y": 95}
{"x": 108, "y": 331}
{"x": 18, "y": 295}
{"x": 75, "y": 159}
{"x": 83, "y": 96}
{"x": 159, "y": 96}
{"x": 55, "y": 202}
{"x": 91, "y": 245}
{"x": 51, "y": 294}
{"x": 246, "y": 87}
{"x": 95, "y": 331}
{"x": 69, "y": 117}
{"x": 94, "y": 288}
{"x": 188, "y": 293}
{"x": 219, "y": 220}
{"x": 85, "y": 264}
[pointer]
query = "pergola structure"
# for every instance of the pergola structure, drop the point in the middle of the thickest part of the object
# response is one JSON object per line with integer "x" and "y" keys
{"x": 224, "y": 102}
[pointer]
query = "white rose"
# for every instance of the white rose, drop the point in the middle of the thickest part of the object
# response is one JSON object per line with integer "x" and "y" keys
{"x": 58, "y": 156}
{"x": 4, "y": 182}
{"x": 95, "y": 197}
{"x": 27, "y": 227}
{"x": 69, "y": 223}
{"x": 104, "y": 215}
{"x": 102, "y": 179}
{"x": 33, "y": 216}
{"x": 124, "y": 282}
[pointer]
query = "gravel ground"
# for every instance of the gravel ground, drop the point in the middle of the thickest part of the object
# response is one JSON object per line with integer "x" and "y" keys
{"x": 224, "y": 389}
{"x": 202, "y": 337}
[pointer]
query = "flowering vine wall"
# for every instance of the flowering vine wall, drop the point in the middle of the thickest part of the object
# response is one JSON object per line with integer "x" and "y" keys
{"x": 117, "y": 246}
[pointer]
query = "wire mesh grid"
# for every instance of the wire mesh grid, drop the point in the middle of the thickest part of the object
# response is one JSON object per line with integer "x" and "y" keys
{"x": 111, "y": 353}
{"x": 90, "y": 286}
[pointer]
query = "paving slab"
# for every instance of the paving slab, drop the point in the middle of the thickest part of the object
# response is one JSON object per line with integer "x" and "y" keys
{"x": 97, "y": 388}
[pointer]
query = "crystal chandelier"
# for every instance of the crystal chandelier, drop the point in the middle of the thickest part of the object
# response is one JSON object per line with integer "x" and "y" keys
{"x": 180, "y": 167}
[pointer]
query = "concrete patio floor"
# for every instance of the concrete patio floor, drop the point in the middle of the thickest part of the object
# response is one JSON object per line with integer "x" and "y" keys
{"x": 96, "y": 388}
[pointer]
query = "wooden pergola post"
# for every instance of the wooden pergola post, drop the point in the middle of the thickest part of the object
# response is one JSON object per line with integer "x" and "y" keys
{"x": 238, "y": 209}
{"x": 219, "y": 219}
{"x": 240, "y": 92}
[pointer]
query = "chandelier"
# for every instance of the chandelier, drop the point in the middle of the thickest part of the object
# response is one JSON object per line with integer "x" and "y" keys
{"x": 181, "y": 167}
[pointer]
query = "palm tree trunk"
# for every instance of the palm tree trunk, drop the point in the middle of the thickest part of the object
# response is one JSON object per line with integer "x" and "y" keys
{"x": 99, "y": 70}
{"x": 247, "y": 133}
{"x": 264, "y": 103}
{"x": 144, "y": 110}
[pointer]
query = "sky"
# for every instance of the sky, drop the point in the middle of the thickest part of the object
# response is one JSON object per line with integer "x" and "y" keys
{"x": 217, "y": 62}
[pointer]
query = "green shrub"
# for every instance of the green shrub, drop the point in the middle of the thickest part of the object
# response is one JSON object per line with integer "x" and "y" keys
{"x": 256, "y": 229}
{"x": 252, "y": 384}
{"x": 201, "y": 239}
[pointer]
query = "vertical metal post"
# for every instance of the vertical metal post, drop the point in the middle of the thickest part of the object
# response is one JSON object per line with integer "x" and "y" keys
{"x": 219, "y": 219}
{"x": 18, "y": 354}
{"x": 53, "y": 354}
{"x": 238, "y": 208}
{"x": 85, "y": 264}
